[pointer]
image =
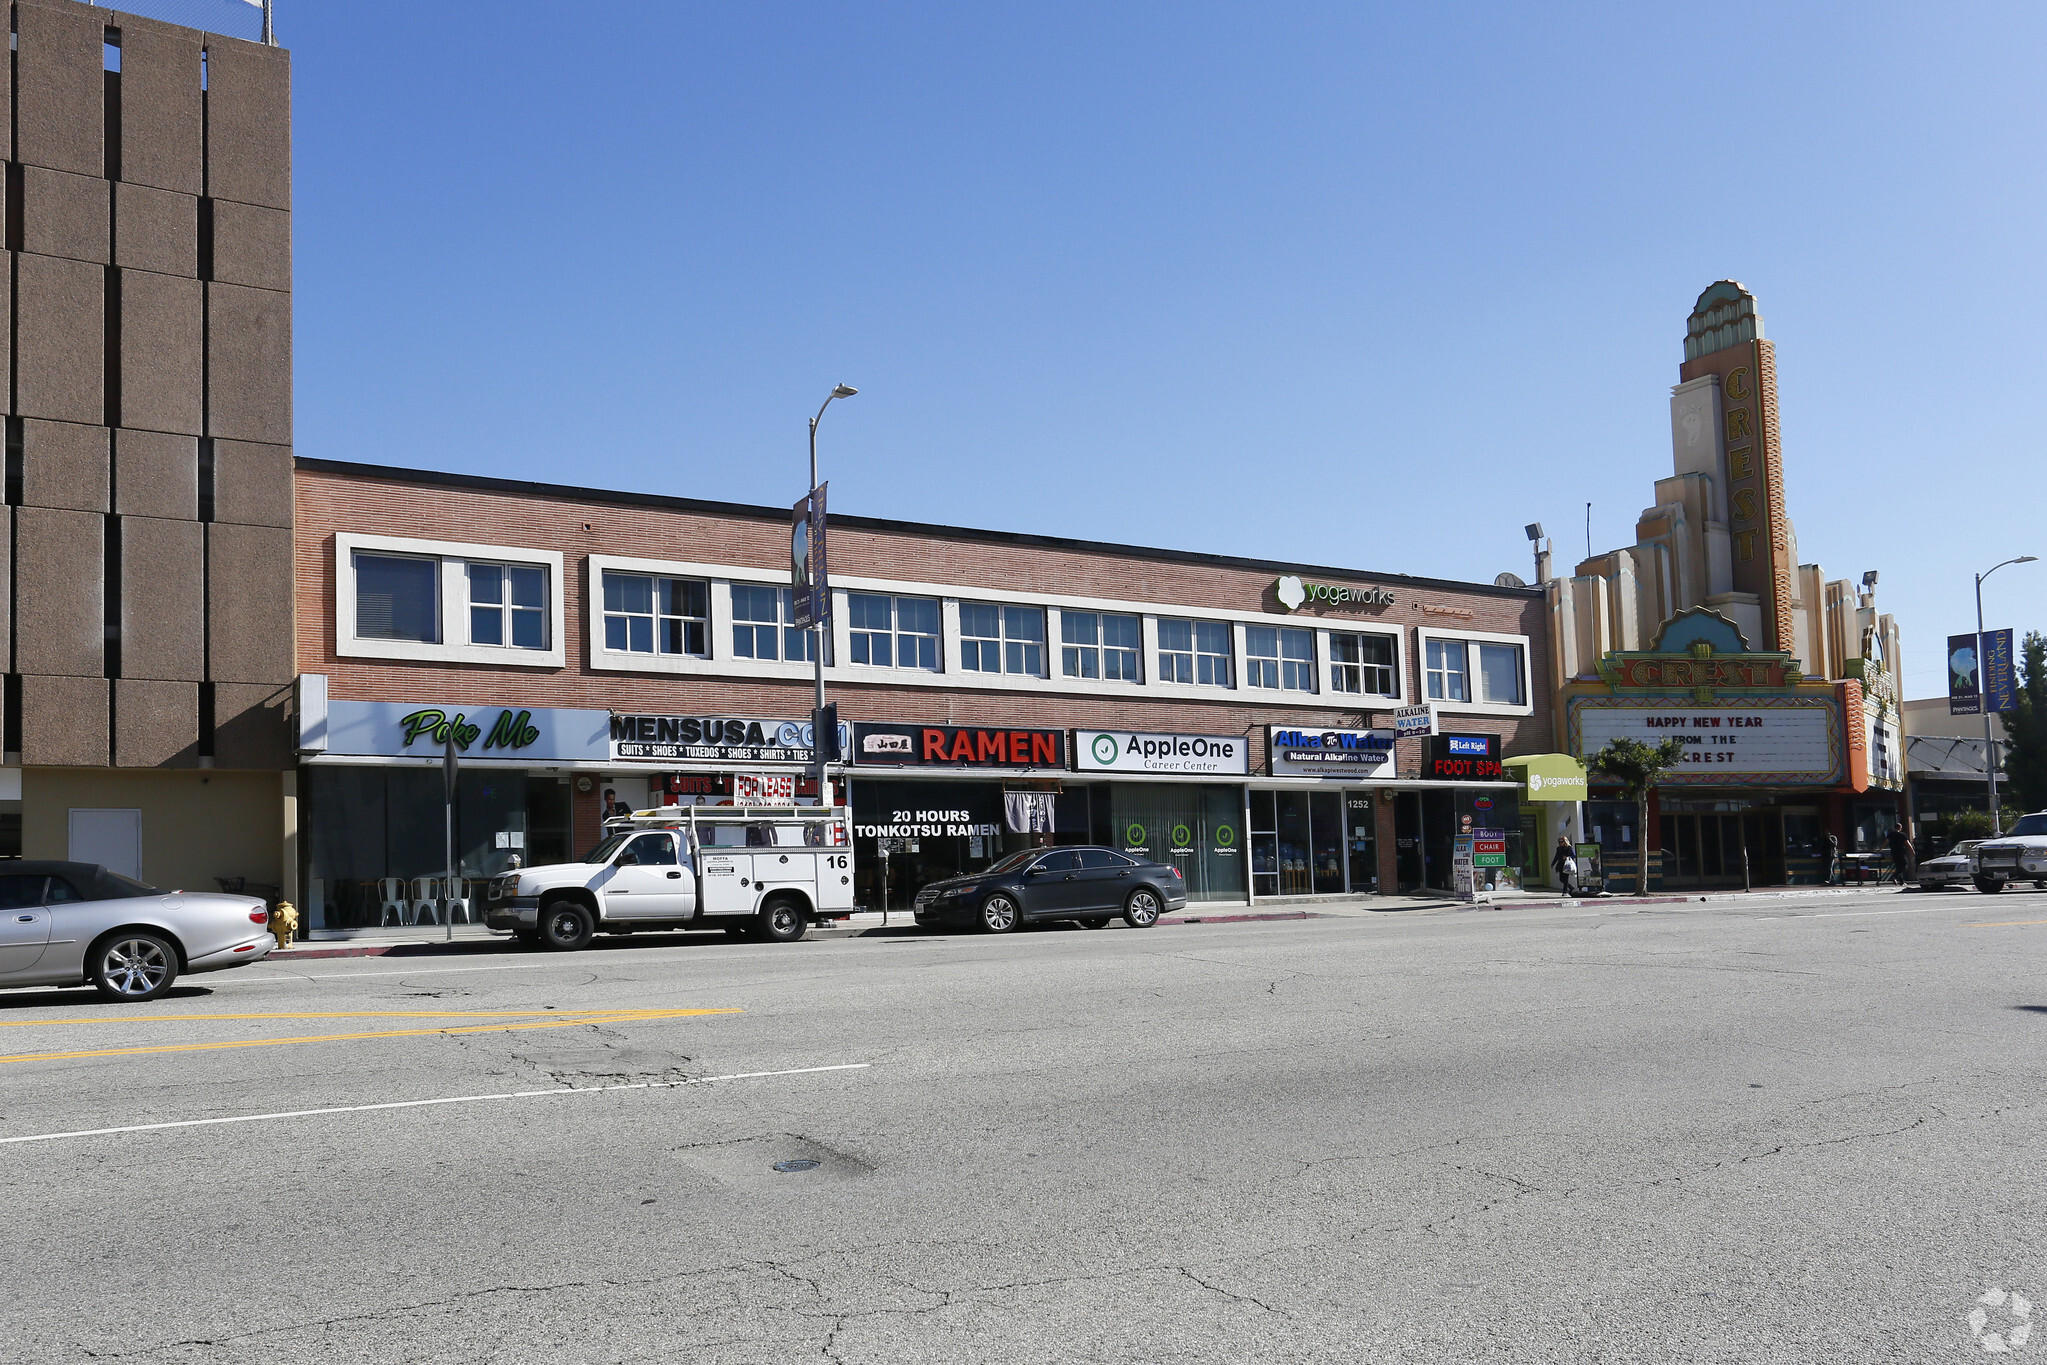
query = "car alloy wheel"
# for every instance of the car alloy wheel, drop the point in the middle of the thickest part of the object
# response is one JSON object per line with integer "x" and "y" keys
{"x": 999, "y": 915}
{"x": 134, "y": 966}
{"x": 1141, "y": 911}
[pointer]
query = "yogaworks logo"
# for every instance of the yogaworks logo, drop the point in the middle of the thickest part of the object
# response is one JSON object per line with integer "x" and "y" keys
{"x": 2001, "y": 1322}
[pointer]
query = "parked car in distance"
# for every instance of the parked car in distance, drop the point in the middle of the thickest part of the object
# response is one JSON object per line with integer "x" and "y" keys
{"x": 1949, "y": 869}
{"x": 1090, "y": 886}
{"x": 67, "y": 924}
{"x": 2018, "y": 855}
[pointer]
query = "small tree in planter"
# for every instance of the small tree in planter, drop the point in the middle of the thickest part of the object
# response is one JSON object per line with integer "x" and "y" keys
{"x": 1638, "y": 767}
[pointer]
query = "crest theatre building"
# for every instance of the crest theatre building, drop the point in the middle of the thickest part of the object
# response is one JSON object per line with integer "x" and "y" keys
{"x": 995, "y": 691}
{"x": 1781, "y": 684}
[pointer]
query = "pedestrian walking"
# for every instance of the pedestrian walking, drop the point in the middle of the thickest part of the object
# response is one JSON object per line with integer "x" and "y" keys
{"x": 1833, "y": 860}
{"x": 1565, "y": 864}
{"x": 1901, "y": 855}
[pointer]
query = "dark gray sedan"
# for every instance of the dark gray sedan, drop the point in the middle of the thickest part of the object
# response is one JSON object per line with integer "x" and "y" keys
{"x": 66, "y": 924}
{"x": 1090, "y": 886}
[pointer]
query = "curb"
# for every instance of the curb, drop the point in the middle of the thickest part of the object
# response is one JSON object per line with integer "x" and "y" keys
{"x": 1243, "y": 919}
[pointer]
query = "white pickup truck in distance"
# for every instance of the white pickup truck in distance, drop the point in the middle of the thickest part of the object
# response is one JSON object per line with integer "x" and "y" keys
{"x": 763, "y": 871}
{"x": 2017, "y": 856}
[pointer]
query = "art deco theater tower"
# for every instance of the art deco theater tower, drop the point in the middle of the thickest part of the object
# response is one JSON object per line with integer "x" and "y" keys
{"x": 1784, "y": 682}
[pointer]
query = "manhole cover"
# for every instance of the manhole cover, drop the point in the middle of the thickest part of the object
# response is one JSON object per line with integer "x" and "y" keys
{"x": 788, "y": 1166}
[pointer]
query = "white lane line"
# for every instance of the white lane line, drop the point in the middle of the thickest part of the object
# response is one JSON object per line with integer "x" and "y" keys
{"x": 420, "y": 1104}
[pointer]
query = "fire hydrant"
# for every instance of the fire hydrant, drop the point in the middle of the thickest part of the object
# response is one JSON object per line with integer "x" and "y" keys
{"x": 284, "y": 921}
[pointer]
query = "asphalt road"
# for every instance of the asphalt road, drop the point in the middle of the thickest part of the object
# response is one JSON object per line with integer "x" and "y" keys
{"x": 1785, "y": 1130}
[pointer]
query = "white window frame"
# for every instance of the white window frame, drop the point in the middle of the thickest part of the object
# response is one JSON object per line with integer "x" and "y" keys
{"x": 1424, "y": 634}
{"x": 1056, "y": 620}
{"x": 1280, "y": 661}
{"x": 1326, "y": 646}
{"x": 1002, "y": 641}
{"x": 453, "y": 557}
{"x": 599, "y": 612}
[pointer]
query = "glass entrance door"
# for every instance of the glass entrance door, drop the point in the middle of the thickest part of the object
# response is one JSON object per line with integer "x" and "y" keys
{"x": 1360, "y": 837}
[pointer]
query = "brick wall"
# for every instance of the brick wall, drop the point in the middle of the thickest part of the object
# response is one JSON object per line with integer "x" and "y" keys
{"x": 330, "y": 501}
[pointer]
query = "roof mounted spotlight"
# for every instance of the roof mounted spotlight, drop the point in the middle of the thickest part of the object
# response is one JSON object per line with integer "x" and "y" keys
{"x": 1869, "y": 579}
{"x": 1534, "y": 530}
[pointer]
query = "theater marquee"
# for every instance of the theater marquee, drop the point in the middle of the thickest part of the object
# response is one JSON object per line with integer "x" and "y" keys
{"x": 1750, "y": 741}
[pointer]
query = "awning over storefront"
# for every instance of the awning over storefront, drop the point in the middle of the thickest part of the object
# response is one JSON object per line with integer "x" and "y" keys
{"x": 1550, "y": 777}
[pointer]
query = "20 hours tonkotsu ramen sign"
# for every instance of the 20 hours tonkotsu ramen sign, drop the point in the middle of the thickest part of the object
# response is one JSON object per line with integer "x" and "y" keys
{"x": 1763, "y": 739}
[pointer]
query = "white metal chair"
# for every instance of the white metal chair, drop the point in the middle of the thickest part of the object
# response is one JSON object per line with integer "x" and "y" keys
{"x": 426, "y": 900}
{"x": 459, "y": 902}
{"x": 397, "y": 909}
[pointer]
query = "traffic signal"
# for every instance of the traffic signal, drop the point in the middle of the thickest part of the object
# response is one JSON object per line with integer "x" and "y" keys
{"x": 825, "y": 729}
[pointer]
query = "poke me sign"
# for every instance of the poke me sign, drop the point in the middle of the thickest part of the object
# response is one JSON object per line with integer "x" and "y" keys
{"x": 1759, "y": 740}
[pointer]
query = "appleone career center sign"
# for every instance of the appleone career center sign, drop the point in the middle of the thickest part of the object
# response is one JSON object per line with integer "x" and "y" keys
{"x": 1329, "y": 753}
{"x": 1124, "y": 751}
{"x": 1760, "y": 740}
{"x": 710, "y": 739}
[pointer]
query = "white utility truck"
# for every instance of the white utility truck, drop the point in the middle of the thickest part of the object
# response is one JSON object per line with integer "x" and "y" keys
{"x": 762, "y": 871}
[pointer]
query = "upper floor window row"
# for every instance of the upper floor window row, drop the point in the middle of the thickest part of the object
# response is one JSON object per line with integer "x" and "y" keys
{"x": 1002, "y": 639}
{"x": 1500, "y": 677}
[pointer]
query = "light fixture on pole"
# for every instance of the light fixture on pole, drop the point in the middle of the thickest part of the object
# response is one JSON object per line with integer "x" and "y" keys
{"x": 810, "y": 566}
{"x": 1990, "y": 744}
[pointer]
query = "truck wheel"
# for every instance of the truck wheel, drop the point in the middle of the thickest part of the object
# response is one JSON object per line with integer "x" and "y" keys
{"x": 782, "y": 921}
{"x": 566, "y": 926}
{"x": 1990, "y": 886}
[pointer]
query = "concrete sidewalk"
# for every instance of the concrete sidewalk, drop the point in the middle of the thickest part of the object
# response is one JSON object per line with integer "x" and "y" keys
{"x": 469, "y": 938}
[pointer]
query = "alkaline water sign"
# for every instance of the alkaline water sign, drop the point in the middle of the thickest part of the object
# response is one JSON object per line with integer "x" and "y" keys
{"x": 1125, "y": 751}
{"x": 1349, "y": 754}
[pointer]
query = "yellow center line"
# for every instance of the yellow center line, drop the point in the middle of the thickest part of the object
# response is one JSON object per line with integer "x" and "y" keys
{"x": 2006, "y": 924}
{"x": 336, "y": 1014}
{"x": 536, "y": 1020}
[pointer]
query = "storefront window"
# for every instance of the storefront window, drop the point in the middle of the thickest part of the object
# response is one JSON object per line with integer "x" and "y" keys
{"x": 1196, "y": 828}
{"x": 644, "y": 614}
{"x": 1362, "y": 664}
{"x": 1099, "y": 645}
{"x": 1298, "y": 843}
{"x": 1196, "y": 652}
{"x": 894, "y": 632}
{"x": 397, "y": 597}
{"x": 372, "y": 831}
{"x": 1002, "y": 639}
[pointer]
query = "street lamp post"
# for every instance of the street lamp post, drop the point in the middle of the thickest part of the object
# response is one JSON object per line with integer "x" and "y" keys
{"x": 817, "y": 624}
{"x": 1989, "y": 744}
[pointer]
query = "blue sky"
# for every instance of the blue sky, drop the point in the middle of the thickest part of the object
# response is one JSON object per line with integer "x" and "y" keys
{"x": 1362, "y": 285}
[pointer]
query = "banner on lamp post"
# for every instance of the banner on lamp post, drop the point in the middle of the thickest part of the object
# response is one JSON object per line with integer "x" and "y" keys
{"x": 1964, "y": 677}
{"x": 2000, "y": 684}
{"x": 809, "y": 580}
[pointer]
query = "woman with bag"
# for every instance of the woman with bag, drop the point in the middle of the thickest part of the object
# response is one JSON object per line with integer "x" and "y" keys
{"x": 1565, "y": 865}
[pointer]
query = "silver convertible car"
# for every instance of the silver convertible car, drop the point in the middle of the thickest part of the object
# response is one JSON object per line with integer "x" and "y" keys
{"x": 65, "y": 924}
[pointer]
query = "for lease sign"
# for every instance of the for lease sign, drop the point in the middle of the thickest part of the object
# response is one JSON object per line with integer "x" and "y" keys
{"x": 1783, "y": 739}
{"x": 1126, "y": 751}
